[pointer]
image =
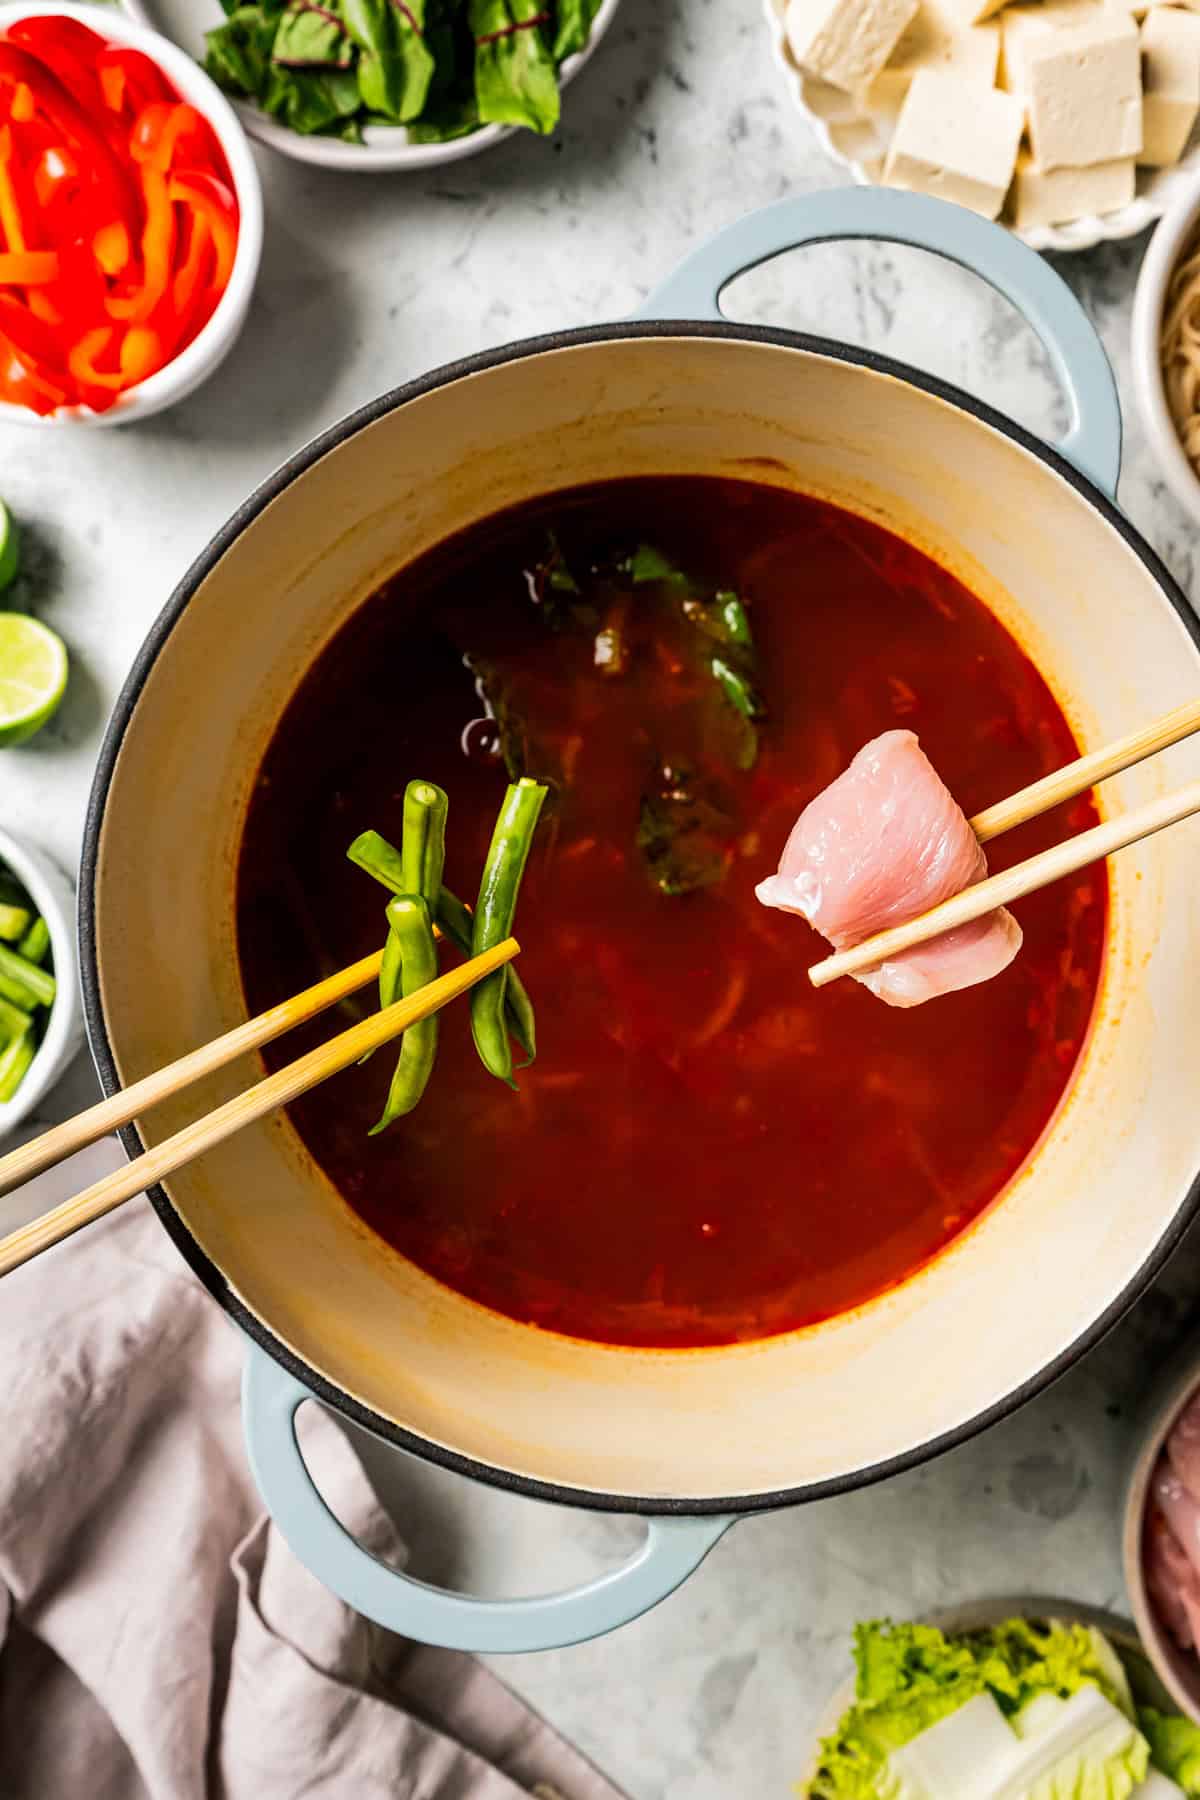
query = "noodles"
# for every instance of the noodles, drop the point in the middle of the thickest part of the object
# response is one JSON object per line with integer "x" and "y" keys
{"x": 1179, "y": 350}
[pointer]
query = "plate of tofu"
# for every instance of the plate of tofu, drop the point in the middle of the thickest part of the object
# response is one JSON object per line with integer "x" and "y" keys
{"x": 1073, "y": 121}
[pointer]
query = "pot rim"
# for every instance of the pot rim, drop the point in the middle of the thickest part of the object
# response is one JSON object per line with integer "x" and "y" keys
{"x": 326, "y": 1391}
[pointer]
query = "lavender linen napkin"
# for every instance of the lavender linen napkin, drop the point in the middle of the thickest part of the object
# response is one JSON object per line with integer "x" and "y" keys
{"x": 158, "y": 1639}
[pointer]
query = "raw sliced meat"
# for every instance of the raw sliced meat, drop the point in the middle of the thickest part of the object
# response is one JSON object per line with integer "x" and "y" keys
{"x": 1183, "y": 1446}
{"x": 1172, "y": 1551}
{"x": 1181, "y": 1510}
{"x": 882, "y": 843}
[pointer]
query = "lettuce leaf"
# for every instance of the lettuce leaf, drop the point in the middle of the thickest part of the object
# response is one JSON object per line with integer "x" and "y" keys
{"x": 1174, "y": 1747}
{"x": 395, "y": 65}
{"x": 443, "y": 68}
{"x": 910, "y": 1676}
{"x": 516, "y": 81}
{"x": 573, "y": 26}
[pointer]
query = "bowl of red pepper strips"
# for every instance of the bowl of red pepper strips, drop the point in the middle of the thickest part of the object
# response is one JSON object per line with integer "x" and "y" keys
{"x": 130, "y": 218}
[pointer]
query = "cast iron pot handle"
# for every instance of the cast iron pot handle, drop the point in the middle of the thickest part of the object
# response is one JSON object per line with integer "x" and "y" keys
{"x": 1093, "y": 443}
{"x": 675, "y": 1545}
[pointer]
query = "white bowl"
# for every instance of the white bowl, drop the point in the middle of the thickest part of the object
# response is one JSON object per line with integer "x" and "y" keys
{"x": 981, "y": 1615}
{"x": 210, "y": 347}
{"x": 384, "y": 146}
{"x": 54, "y": 898}
{"x": 1161, "y": 258}
{"x": 857, "y": 136}
{"x": 1179, "y": 1670}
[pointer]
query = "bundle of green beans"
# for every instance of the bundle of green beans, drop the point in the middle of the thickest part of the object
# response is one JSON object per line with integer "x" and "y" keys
{"x": 501, "y": 1009}
{"x": 27, "y": 988}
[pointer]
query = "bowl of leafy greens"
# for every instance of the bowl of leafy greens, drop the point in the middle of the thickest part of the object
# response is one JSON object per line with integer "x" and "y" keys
{"x": 386, "y": 84}
{"x": 1005, "y": 1700}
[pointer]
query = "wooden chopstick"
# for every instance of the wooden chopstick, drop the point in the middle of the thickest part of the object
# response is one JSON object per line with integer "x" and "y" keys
{"x": 1063, "y": 859}
{"x": 1076, "y": 777}
{"x": 1011, "y": 884}
{"x": 109, "y": 1115}
{"x": 265, "y": 1096}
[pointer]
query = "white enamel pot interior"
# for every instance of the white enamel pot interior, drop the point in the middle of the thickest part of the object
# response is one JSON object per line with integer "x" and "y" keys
{"x": 1081, "y": 1227}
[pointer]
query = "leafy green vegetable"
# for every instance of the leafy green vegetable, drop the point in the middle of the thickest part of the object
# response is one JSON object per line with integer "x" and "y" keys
{"x": 441, "y": 67}
{"x": 516, "y": 77}
{"x": 574, "y": 26}
{"x": 683, "y": 835}
{"x": 395, "y": 66}
{"x": 311, "y": 37}
{"x": 910, "y": 1676}
{"x": 239, "y": 52}
{"x": 1174, "y": 1747}
{"x": 648, "y": 564}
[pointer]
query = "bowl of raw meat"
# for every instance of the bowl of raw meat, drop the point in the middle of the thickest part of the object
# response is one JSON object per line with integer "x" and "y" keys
{"x": 1162, "y": 1530}
{"x": 715, "y": 1241}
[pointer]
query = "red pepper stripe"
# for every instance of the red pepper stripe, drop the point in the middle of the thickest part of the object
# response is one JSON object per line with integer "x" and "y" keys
{"x": 542, "y": 18}
{"x": 406, "y": 12}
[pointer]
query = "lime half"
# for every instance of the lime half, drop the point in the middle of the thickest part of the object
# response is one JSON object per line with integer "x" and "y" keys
{"x": 9, "y": 554}
{"x": 33, "y": 675}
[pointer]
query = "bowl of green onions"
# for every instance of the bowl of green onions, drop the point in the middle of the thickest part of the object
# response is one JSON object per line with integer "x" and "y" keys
{"x": 41, "y": 1018}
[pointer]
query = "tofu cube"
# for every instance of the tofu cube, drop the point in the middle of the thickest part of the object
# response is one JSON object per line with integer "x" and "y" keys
{"x": 935, "y": 41}
{"x": 955, "y": 140}
{"x": 1082, "y": 87}
{"x": 974, "y": 12}
{"x": 1022, "y": 25}
{"x": 845, "y": 42}
{"x": 1057, "y": 196}
{"x": 1170, "y": 84}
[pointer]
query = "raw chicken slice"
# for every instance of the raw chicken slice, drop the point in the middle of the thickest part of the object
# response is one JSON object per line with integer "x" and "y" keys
{"x": 1183, "y": 1446}
{"x": 881, "y": 844}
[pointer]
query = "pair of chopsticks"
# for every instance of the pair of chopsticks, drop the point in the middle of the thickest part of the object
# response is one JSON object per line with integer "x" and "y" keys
{"x": 265, "y": 1096}
{"x": 340, "y": 1052}
{"x": 1061, "y": 859}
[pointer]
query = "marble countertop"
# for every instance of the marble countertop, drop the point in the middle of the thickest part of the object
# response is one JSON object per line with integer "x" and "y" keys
{"x": 679, "y": 125}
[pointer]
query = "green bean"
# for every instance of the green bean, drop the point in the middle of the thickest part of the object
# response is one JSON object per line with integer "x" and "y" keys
{"x": 373, "y": 853}
{"x": 423, "y": 846}
{"x": 410, "y": 928}
{"x": 379, "y": 858}
{"x": 493, "y": 920}
{"x": 36, "y": 942}
{"x": 15, "y": 921}
{"x": 18, "y": 971}
{"x": 456, "y": 922}
{"x": 14, "y": 1021}
{"x": 14, "y": 1063}
{"x": 14, "y": 989}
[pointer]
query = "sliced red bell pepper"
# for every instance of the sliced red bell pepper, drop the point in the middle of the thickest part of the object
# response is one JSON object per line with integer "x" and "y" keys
{"x": 162, "y": 132}
{"x": 112, "y": 249}
{"x": 32, "y": 339}
{"x": 96, "y": 387}
{"x": 210, "y": 199}
{"x": 110, "y": 178}
{"x": 158, "y": 252}
{"x": 55, "y": 174}
{"x": 71, "y": 58}
{"x": 112, "y": 86}
{"x": 142, "y": 352}
{"x": 26, "y": 386}
{"x": 13, "y": 226}
{"x": 28, "y": 268}
{"x": 22, "y": 108}
{"x": 141, "y": 83}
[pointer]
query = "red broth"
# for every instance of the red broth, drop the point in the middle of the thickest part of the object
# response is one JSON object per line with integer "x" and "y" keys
{"x": 706, "y": 1150}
